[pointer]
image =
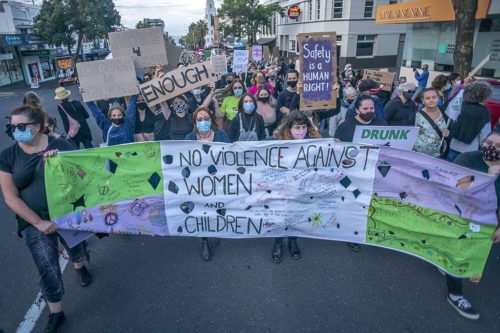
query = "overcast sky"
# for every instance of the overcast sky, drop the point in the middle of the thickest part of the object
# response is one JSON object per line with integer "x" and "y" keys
{"x": 177, "y": 14}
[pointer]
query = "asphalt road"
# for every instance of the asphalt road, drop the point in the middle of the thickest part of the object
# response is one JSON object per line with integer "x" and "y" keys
{"x": 160, "y": 284}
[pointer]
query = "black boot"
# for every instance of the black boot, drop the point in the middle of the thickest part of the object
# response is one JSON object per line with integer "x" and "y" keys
{"x": 55, "y": 321}
{"x": 277, "y": 250}
{"x": 205, "y": 249}
{"x": 294, "y": 248}
{"x": 84, "y": 276}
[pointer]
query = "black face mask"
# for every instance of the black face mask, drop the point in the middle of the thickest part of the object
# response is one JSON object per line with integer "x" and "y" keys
{"x": 292, "y": 84}
{"x": 141, "y": 105}
{"x": 228, "y": 82}
{"x": 408, "y": 94}
{"x": 45, "y": 130}
{"x": 264, "y": 99}
{"x": 118, "y": 121}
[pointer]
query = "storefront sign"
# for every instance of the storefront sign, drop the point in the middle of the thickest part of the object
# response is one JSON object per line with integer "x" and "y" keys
{"x": 42, "y": 53}
{"x": 294, "y": 12}
{"x": 423, "y": 11}
{"x": 318, "y": 65}
{"x": 146, "y": 46}
{"x": 19, "y": 39}
{"x": 104, "y": 79}
{"x": 6, "y": 56}
{"x": 384, "y": 78}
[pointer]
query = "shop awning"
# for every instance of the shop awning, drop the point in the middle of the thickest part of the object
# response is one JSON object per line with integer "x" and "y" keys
{"x": 265, "y": 41}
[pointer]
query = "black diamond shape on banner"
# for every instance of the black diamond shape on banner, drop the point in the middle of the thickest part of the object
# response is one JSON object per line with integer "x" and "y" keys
{"x": 356, "y": 193}
{"x": 221, "y": 211}
{"x": 168, "y": 159}
{"x": 384, "y": 168}
{"x": 154, "y": 180}
{"x": 212, "y": 170}
{"x": 346, "y": 181}
{"x": 241, "y": 170}
{"x": 186, "y": 172}
{"x": 187, "y": 206}
{"x": 206, "y": 148}
{"x": 111, "y": 166}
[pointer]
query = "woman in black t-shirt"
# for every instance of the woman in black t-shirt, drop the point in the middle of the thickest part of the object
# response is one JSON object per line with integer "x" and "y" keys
{"x": 144, "y": 122}
{"x": 23, "y": 187}
{"x": 180, "y": 121}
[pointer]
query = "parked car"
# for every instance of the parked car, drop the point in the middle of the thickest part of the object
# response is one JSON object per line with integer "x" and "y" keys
{"x": 493, "y": 104}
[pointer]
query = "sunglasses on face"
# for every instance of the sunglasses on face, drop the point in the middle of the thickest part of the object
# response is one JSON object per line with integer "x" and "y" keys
{"x": 21, "y": 126}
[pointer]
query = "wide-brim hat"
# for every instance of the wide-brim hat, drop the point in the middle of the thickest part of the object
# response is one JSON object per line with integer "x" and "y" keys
{"x": 62, "y": 93}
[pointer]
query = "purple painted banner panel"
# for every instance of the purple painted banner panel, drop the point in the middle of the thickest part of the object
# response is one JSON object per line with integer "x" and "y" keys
{"x": 432, "y": 183}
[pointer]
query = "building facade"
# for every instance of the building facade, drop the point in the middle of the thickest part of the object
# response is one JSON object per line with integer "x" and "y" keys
{"x": 430, "y": 31}
{"x": 360, "y": 41}
{"x": 211, "y": 38}
{"x": 20, "y": 56}
{"x": 155, "y": 23}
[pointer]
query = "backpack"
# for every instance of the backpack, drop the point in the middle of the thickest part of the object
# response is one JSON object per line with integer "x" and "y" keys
{"x": 74, "y": 125}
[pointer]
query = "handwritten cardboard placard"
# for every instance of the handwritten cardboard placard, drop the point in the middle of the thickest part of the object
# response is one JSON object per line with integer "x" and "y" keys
{"x": 380, "y": 196}
{"x": 267, "y": 53}
{"x": 104, "y": 79}
{"x": 384, "y": 78}
{"x": 145, "y": 46}
{"x": 219, "y": 64}
{"x": 318, "y": 67}
{"x": 256, "y": 52}
{"x": 402, "y": 137}
{"x": 177, "y": 82}
{"x": 240, "y": 61}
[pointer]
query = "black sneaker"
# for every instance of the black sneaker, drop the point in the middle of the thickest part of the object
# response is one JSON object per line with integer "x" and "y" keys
{"x": 355, "y": 247}
{"x": 84, "y": 276}
{"x": 55, "y": 321}
{"x": 464, "y": 308}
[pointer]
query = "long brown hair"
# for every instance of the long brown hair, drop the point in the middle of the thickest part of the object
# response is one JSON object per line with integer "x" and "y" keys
{"x": 295, "y": 118}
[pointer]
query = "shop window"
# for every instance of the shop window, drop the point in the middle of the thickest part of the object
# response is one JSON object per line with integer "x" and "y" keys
{"x": 337, "y": 8}
{"x": 365, "y": 45}
{"x": 490, "y": 24}
{"x": 310, "y": 10}
{"x": 2, "y": 8}
{"x": 369, "y": 8}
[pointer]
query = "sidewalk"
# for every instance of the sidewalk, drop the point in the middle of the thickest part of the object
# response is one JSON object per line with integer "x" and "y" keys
{"x": 22, "y": 87}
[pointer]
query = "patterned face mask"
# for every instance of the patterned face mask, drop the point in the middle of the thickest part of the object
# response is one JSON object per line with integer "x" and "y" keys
{"x": 490, "y": 153}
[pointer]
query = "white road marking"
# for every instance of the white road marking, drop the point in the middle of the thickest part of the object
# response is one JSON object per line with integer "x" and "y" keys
{"x": 36, "y": 309}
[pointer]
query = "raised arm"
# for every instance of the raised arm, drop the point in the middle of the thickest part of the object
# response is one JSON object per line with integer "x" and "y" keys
{"x": 99, "y": 117}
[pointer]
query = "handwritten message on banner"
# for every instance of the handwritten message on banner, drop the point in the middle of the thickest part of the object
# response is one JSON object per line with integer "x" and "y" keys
{"x": 318, "y": 66}
{"x": 401, "y": 137}
{"x": 384, "y": 78}
{"x": 145, "y": 46}
{"x": 219, "y": 64}
{"x": 240, "y": 61}
{"x": 176, "y": 82}
{"x": 103, "y": 79}
{"x": 380, "y": 196}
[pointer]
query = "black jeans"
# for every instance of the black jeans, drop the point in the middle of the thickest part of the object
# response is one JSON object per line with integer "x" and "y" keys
{"x": 45, "y": 252}
{"x": 86, "y": 143}
{"x": 280, "y": 239}
{"x": 454, "y": 285}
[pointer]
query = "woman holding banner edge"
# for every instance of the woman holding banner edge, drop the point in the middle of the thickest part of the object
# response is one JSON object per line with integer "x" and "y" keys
{"x": 206, "y": 129}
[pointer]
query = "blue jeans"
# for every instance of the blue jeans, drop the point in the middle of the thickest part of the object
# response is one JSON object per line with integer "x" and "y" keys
{"x": 452, "y": 154}
{"x": 45, "y": 252}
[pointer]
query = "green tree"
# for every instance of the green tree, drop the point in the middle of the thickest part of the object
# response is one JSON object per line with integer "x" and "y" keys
{"x": 246, "y": 18}
{"x": 465, "y": 22}
{"x": 196, "y": 34}
{"x": 142, "y": 25}
{"x": 59, "y": 20}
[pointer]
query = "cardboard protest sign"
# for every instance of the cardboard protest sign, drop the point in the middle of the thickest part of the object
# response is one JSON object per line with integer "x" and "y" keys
{"x": 256, "y": 52}
{"x": 380, "y": 196}
{"x": 385, "y": 78}
{"x": 318, "y": 67}
{"x": 104, "y": 79}
{"x": 266, "y": 53}
{"x": 402, "y": 137}
{"x": 145, "y": 46}
{"x": 219, "y": 64}
{"x": 240, "y": 61}
{"x": 176, "y": 82}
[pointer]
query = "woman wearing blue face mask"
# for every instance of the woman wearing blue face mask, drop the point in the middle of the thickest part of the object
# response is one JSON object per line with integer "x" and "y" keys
{"x": 23, "y": 187}
{"x": 179, "y": 121}
{"x": 248, "y": 125}
{"x": 205, "y": 129}
{"x": 229, "y": 105}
